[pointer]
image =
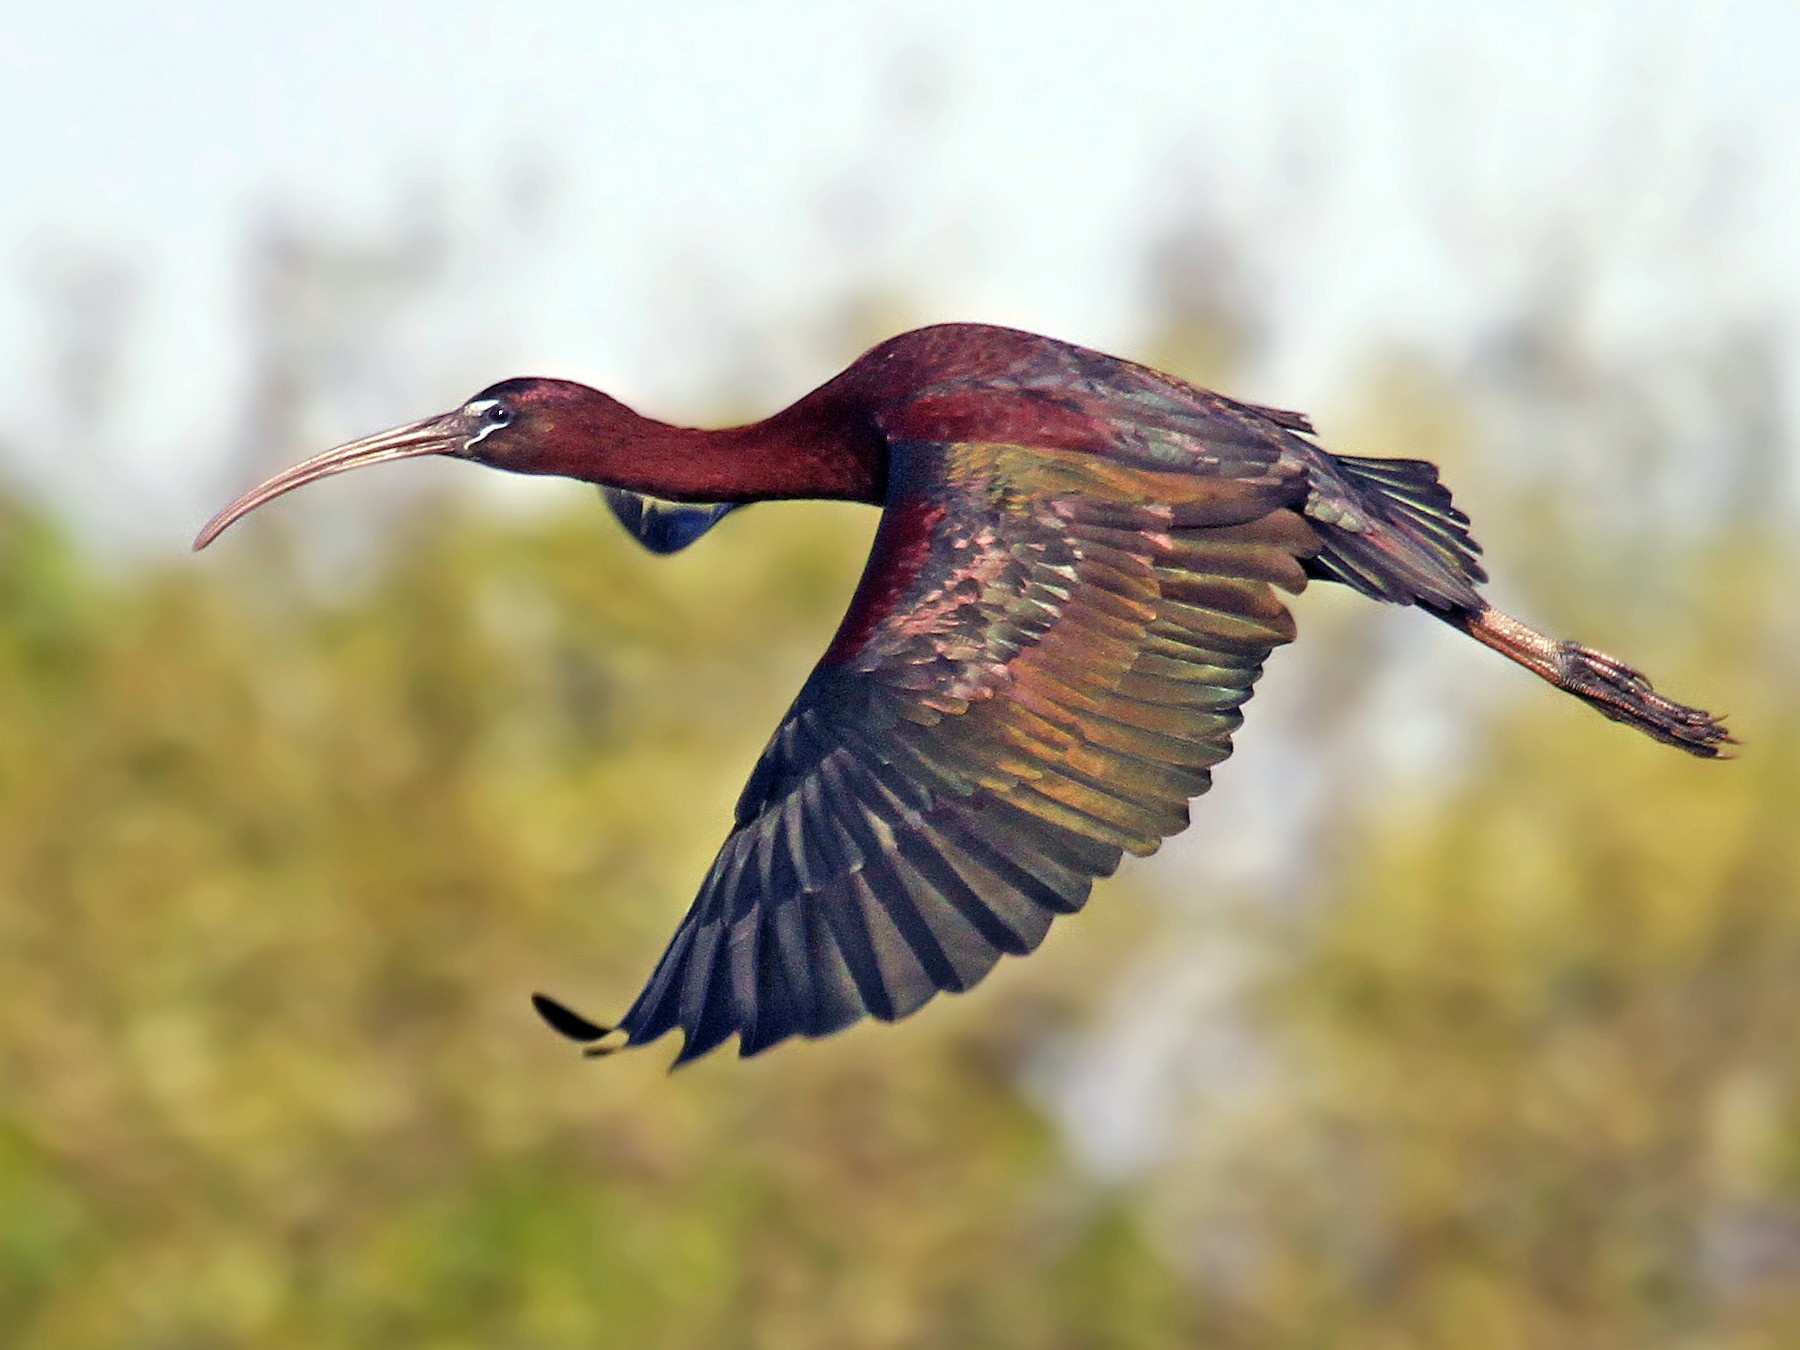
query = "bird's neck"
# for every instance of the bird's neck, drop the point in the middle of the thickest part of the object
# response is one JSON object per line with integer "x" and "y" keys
{"x": 819, "y": 447}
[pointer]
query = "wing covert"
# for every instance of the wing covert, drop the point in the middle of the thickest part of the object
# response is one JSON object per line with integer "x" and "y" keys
{"x": 1045, "y": 657}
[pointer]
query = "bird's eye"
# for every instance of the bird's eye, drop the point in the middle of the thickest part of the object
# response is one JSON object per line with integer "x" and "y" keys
{"x": 493, "y": 415}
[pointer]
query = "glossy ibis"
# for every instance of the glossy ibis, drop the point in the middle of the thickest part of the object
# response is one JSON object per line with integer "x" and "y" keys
{"x": 1068, "y": 601}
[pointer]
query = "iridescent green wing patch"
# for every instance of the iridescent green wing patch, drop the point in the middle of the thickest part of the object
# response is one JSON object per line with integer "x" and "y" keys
{"x": 1045, "y": 658}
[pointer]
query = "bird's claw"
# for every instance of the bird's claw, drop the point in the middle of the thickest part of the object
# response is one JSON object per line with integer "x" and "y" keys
{"x": 1623, "y": 694}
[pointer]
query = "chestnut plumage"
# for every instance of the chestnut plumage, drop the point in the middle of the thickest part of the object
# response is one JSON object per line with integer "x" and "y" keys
{"x": 1070, "y": 596}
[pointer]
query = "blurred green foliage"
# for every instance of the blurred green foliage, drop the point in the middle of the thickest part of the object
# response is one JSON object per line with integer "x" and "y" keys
{"x": 1546, "y": 1077}
{"x": 278, "y": 867}
{"x": 278, "y": 873}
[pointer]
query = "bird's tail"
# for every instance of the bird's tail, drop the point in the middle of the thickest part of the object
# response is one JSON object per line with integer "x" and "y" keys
{"x": 1388, "y": 528}
{"x": 1598, "y": 680}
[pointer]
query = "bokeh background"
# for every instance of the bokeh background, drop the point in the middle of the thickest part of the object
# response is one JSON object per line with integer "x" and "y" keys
{"x": 1461, "y": 1018}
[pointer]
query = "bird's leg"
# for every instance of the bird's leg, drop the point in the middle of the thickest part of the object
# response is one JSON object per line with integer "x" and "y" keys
{"x": 1602, "y": 682}
{"x": 567, "y": 1022}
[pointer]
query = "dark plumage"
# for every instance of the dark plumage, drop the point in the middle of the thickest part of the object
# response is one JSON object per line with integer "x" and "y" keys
{"x": 1069, "y": 599}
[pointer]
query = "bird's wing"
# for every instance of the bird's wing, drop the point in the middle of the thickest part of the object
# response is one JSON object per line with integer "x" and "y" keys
{"x": 660, "y": 526}
{"x": 1045, "y": 656}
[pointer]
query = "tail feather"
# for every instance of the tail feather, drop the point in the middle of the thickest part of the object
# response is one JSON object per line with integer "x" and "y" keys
{"x": 1389, "y": 529}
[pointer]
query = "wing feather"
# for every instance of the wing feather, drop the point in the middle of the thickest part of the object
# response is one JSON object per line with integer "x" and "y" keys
{"x": 1044, "y": 691}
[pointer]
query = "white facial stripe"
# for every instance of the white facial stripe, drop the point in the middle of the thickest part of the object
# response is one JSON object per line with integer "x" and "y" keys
{"x": 476, "y": 409}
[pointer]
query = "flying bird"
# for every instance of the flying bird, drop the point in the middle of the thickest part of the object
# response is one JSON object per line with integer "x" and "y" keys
{"x": 1067, "y": 603}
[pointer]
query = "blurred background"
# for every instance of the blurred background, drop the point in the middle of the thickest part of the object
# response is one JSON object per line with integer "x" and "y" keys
{"x": 1461, "y": 1018}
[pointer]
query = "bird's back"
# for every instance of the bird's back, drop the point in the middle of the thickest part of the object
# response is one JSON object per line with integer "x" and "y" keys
{"x": 1385, "y": 527}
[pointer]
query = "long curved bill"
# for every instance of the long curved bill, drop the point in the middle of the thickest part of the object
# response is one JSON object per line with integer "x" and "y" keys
{"x": 434, "y": 436}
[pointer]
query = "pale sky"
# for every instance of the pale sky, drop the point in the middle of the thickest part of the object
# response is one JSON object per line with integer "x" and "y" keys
{"x": 1387, "y": 157}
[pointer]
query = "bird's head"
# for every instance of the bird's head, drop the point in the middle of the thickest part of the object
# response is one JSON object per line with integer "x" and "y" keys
{"x": 521, "y": 425}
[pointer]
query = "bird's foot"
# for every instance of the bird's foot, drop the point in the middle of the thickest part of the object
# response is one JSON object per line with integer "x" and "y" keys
{"x": 1623, "y": 694}
{"x": 566, "y": 1021}
{"x": 1603, "y": 682}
